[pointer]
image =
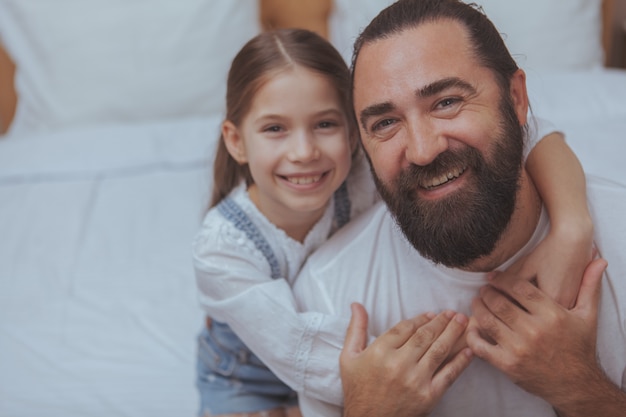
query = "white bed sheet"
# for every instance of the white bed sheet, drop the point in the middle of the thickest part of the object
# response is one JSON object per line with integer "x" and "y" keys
{"x": 98, "y": 308}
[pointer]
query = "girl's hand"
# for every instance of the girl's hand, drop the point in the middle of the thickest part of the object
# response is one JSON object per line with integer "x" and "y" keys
{"x": 557, "y": 264}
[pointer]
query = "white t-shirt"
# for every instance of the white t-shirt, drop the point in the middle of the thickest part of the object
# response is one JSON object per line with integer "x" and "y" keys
{"x": 394, "y": 282}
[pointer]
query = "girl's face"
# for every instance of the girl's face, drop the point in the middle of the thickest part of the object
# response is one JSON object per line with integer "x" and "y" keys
{"x": 295, "y": 141}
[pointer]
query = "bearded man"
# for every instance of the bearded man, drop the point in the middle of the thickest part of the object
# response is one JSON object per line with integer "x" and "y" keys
{"x": 442, "y": 110}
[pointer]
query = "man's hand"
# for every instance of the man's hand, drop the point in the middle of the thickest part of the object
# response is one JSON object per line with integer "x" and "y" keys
{"x": 405, "y": 371}
{"x": 544, "y": 348}
{"x": 558, "y": 263}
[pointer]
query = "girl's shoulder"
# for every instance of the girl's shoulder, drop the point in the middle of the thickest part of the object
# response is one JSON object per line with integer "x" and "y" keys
{"x": 220, "y": 236}
{"x": 219, "y": 246}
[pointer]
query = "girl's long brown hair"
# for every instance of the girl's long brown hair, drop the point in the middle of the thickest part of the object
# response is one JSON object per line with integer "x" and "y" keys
{"x": 259, "y": 59}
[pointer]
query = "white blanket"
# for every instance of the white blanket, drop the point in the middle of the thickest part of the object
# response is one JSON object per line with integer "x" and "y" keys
{"x": 98, "y": 308}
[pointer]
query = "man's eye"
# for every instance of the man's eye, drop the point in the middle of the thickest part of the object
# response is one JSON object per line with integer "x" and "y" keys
{"x": 447, "y": 102}
{"x": 382, "y": 124}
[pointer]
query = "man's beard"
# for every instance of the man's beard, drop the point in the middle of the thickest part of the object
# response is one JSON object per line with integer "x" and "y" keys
{"x": 459, "y": 228}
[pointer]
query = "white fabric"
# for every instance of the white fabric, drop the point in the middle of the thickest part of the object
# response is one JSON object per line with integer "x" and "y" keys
{"x": 589, "y": 107}
{"x": 98, "y": 304}
{"x": 396, "y": 283}
{"x": 234, "y": 279}
{"x": 540, "y": 34}
{"x": 87, "y": 62}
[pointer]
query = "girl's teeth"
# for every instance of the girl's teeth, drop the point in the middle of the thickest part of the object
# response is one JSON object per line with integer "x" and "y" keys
{"x": 304, "y": 180}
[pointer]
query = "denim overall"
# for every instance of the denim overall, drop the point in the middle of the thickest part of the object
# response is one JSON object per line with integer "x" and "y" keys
{"x": 230, "y": 378}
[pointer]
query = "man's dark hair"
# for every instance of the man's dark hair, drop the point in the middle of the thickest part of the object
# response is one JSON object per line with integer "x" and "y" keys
{"x": 489, "y": 48}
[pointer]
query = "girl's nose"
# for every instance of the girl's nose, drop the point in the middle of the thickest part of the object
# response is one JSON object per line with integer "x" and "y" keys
{"x": 303, "y": 147}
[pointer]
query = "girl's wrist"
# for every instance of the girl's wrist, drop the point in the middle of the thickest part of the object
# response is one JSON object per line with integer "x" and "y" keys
{"x": 575, "y": 228}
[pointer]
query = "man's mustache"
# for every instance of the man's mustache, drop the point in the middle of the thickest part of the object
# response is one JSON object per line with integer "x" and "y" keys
{"x": 447, "y": 162}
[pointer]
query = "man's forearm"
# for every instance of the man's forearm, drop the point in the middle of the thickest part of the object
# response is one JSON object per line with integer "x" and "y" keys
{"x": 599, "y": 397}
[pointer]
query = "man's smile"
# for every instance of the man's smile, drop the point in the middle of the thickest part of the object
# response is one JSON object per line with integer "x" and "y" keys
{"x": 452, "y": 174}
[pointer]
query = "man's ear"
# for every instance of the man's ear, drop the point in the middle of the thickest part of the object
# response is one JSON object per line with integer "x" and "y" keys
{"x": 234, "y": 142}
{"x": 519, "y": 95}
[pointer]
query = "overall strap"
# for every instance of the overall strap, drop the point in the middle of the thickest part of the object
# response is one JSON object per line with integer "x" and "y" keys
{"x": 342, "y": 206}
{"x": 235, "y": 214}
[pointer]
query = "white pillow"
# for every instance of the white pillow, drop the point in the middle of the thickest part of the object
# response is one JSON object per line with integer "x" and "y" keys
{"x": 348, "y": 19}
{"x": 540, "y": 34}
{"x": 550, "y": 34}
{"x": 86, "y": 62}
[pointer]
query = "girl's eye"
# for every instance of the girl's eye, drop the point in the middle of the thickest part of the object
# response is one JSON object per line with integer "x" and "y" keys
{"x": 326, "y": 124}
{"x": 273, "y": 129}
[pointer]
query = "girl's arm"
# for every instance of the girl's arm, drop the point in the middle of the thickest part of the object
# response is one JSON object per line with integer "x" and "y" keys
{"x": 235, "y": 287}
{"x": 560, "y": 259}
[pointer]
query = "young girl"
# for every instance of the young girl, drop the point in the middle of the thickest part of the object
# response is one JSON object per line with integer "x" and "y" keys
{"x": 281, "y": 188}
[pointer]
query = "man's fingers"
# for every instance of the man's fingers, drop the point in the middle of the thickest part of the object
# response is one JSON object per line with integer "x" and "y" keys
{"x": 401, "y": 333}
{"x": 523, "y": 292}
{"x": 356, "y": 335}
{"x": 589, "y": 294}
{"x": 425, "y": 333}
{"x": 483, "y": 348}
{"x": 439, "y": 362}
{"x": 441, "y": 348}
{"x": 451, "y": 371}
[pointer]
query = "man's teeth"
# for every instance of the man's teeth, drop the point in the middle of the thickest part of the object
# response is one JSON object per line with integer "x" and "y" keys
{"x": 443, "y": 178}
{"x": 304, "y": 180}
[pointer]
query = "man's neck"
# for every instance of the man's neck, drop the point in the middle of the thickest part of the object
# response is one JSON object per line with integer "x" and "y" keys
{"x": 519, "y": 231}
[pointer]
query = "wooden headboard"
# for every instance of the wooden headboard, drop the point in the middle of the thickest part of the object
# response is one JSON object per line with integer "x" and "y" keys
{"x": 8, "y": 98}
{"x": 309, "y": 14}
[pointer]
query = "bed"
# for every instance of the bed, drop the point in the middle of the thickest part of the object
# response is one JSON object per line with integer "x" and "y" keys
{"x": 112, "y": 109}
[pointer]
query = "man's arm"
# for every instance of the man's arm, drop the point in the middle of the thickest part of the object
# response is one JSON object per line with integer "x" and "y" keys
{"x": 597, "y": 396}
{"x": 405, "y": 371}
{"x": 545, "y": 349}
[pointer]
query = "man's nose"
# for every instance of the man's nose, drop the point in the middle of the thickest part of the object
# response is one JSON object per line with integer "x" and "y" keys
{"x": 424, "y": 144}
{"x": 303, "y": 147}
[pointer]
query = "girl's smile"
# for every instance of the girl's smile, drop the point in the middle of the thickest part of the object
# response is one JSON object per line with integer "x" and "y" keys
{"x": 295, "y": 141}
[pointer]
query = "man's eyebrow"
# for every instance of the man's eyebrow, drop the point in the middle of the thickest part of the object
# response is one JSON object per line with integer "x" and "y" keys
{"x": 443, "y": 84}
{"x": 428, "y": 90}
{"x": 374, "y": 110}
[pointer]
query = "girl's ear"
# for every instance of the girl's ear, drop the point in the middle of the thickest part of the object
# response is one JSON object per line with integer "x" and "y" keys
{"x": 519, "y": 95}
{"x": 234, "y": 142}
